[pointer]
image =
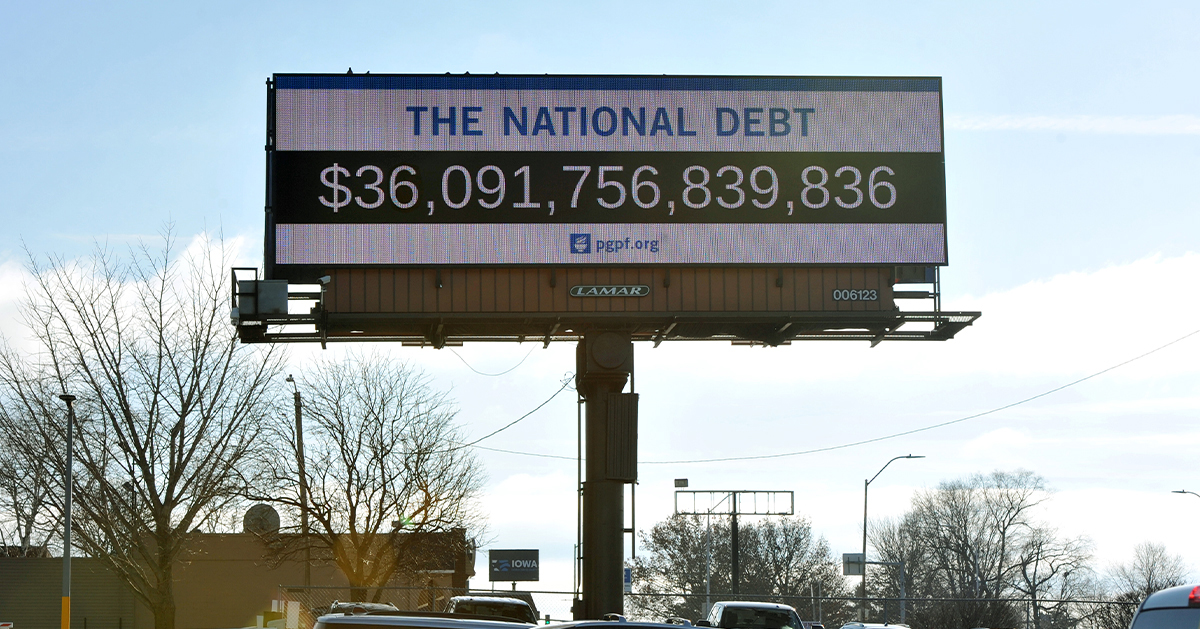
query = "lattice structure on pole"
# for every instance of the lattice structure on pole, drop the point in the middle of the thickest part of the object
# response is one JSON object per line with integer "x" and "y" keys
{"x": 723, "y": 502}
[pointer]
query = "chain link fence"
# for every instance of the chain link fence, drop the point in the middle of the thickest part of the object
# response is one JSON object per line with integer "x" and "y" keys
{"x": 299, "y": 606}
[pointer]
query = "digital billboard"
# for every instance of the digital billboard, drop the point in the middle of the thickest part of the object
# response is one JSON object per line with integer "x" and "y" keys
{"x": 513, "y": 565}
{"x": 484, "y": 170}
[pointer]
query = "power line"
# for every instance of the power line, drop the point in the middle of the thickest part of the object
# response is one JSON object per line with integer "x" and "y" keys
{"x": 854, "y": 443}
{"x": 932, "y": 426}
{"x": 565, "y": 383}
{"x": 492, "y": 375}
{"x": 534, "y": 454}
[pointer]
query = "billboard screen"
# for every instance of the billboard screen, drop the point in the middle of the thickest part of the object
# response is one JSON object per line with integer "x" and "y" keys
{"x": 395, "y": 170}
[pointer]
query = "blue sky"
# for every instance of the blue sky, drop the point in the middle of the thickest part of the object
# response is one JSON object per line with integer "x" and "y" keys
{"x": 1071, "y": 152}
{"x": 120, "y": 116}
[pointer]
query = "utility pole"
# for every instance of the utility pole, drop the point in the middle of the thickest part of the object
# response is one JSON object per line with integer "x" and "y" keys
{"x": 66, "y": 572}
{"x": 303, "y": 483}
{"x": 734, "y": 568}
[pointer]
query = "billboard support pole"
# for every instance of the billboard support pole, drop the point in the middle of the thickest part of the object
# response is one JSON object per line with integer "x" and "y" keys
{"x": 605, "y": 361}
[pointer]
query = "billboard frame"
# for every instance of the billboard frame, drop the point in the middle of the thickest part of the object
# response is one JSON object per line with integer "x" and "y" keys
{"x": 297, "y": 272}
{"x": 330, "y": 314}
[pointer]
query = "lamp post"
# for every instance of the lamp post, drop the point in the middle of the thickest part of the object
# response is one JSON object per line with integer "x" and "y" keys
{"x": 66, "y": 572}
{"x": 303, "y": 481}
{"x": 1184, "y": 491}
{"x": 866, "y": 484}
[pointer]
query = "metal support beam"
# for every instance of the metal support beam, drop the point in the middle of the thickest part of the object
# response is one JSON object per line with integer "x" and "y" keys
{"x": 605, "y": 362}
{"x": 734, "y": 545}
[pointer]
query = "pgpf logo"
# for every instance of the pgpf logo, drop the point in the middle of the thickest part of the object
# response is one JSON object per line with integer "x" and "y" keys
{"x": 581, "y": 243}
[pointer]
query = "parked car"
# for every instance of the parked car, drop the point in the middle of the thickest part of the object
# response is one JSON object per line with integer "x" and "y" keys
{"x": 752, "y": 615}
{"x": 620, "y": 621}
{"x": 356, "y": 607}
{"x": 409, "y": 620}
{"x": 872, "y": 625}
{"x": 499, "y": 606}
{"x": 1172, "y": 608}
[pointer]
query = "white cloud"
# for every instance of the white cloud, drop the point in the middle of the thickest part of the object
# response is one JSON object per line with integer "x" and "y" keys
{"x": 12, "y": 287}
{"x": 14, "y": 275}
{"x": 1078, "y": 323}
{"x": 1004, "y": 445}
{"x": 1117, "y": 520}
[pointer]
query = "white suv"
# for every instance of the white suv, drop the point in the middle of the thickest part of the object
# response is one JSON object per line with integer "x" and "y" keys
{"x": 752, "y": 615}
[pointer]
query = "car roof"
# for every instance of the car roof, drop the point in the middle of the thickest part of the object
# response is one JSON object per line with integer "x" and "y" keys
{"x": 614, "y": 624}
{"x": 755, "y": 605}
{"x": 1171, "y": 597}
{"x": 428, "y": 622}
{"x": 476, "y": 598}
{"x": 366, "y": 606}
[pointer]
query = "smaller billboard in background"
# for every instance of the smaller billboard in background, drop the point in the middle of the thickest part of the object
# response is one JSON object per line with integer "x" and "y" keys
{"x": 513, "y": 565}
{"x": 853, "y": 564}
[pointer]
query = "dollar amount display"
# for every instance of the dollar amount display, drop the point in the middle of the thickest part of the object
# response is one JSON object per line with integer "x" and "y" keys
{"x": 858, "y": 187}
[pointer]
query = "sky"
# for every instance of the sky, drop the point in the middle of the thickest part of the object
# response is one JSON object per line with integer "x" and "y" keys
{"x": 1071, "y": 147}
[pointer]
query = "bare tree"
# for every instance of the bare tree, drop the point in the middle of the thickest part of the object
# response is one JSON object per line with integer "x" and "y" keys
{"x": 1152, "y": 569}
{"x": 29, "y": 517}
{"x": 677, "y": 561}
{"x": 976, "y": 540}
{"x": 780, "y": 557}
{"x": 384, "y": 467}
{"x": 1055, "y": 569}
{"x": 170, "y": 404}
{"x": 783, "y": 558}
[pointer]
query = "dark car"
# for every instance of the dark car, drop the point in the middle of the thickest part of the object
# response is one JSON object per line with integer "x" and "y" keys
{"x": 611, "y": 621}
{"x": 408, "y": 620}
{"x": 497, "y": 606}
{"x": 1172, "y": 608}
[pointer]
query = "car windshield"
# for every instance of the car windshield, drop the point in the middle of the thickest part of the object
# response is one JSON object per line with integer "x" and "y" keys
{"x": 747, "y": 618}
{"x": 1170, "y": 618}
{"x": 504, "y": 610}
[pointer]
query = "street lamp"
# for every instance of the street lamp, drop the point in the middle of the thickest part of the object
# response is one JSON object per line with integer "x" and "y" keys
{"x": 66, "y": 573}
{"x": 1184, "y": 491}
{"x": 303, "y": 482}
{"x": 867, "y": 484}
